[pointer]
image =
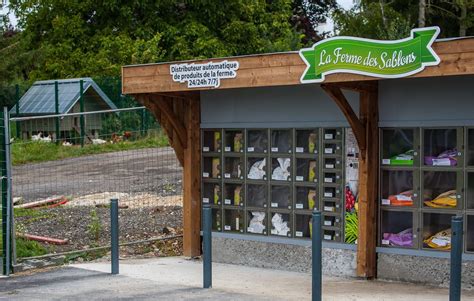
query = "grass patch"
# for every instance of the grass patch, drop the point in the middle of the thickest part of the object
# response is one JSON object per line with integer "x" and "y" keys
{"x": 35, "y": 151}
{"x": 26, "y": 248}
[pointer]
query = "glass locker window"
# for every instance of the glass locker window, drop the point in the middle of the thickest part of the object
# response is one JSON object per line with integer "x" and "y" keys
{"x": 306, "y": 198}
{"x": 233, "y": 168}
{"x": 257, "y": 168}
{"x": 303, "y": 227}
{"x": 307, "y": 141}
{"x": 397, "y": 229}
{"x": 257, "y": 195}
{"x": 257, "y": 221}
{"x": 281, "y": 169}
{"x": 397, "y": 188}
{"x": 470, "y": 190}
{"x": 233, "y": 220}
{"x": 234, "y": 141}
{"x": 470, "y": 147}
{"x": 280, "y": 224}
{"x": 216, "y": 219}
{"x": 437, "y": 231}
{"x": 257, "y": 141}
{"x": 281, "y": 141}
{"x": 470, "y": 233}
{"x": 398, "y": 147}
{"x": 233, "y": 194}
{"x": 440, "y": 147}
{"x": 440, "y": 189}
{"x": 281, "y": 196}
{"x": 212, "y": 141}
{"x": 211, "y": 193}
{"x": 211, "y": 167}
{"x": 306, "y": 170}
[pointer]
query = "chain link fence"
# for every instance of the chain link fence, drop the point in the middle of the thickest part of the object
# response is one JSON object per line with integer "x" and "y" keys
{"x": 67, "y": 167}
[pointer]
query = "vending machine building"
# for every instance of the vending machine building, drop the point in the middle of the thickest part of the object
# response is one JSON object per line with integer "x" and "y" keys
{"x": 378, "y": 135}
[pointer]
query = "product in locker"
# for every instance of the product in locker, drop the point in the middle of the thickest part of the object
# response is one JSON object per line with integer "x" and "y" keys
{"x": 279, "y": 226}
{"x": 256, "y": 223}
{"x": 312, "y": 142}
{"x": 350, "y": 199}
{"x": 312, "y": 171}
{"x": 402, "y": 159}
{"x": 217, "y": 192}
{"x": 401, "y": 199}
{"x": 216, "y": 162}
{"x": 447, "y": 199}
{"x": 238, "y": 138}
{"x": 311, "y": 199}
{"x": 402, "y": 239}
{"x": 257, "y": 171}
{"x": 217, "y": 141}
{"x": 446, "y": 158}
{"x": 440, "y": 241}
{"x": 237, "y": 191}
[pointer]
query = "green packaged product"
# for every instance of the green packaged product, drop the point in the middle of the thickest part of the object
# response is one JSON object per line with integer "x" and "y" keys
{"x": 311, "y": 198}
{"x": 312, "y": 142}
{"x": 217, "y": 141}
{"x": 237, "y": 195}
{"x": 238, "y": 142}
{"x": 217, "y": 191}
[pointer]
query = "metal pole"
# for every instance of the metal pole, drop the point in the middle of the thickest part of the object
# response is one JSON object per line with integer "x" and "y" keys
{"x": 142, "y": 125}
{"x": 114, "y": 236}
{"x": 8, "y": 164}
{"x": 56, "y": 109}
{"x": 81, "y": 104}
{"x": 207, "y": 246}
{"x": 6, "y": 204}
{"x": 456, "y": 258}
{"x": 317, "y": 279}
{"x": 17, "y": 109}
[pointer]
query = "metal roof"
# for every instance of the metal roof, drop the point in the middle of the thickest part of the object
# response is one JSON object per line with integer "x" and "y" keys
{"x": 39, "y": 99}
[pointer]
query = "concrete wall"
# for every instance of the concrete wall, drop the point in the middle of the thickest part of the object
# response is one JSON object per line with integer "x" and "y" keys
{"x": 291, "y": 257}
{"x": 420, "y": 269}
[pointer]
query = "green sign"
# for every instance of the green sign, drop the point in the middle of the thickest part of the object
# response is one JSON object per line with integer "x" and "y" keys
{"x": 386, "y": 59}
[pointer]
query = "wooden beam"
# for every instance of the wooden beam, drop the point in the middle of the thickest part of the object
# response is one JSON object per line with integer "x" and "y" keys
{"x": 282, "y": 69}
{"x": 357, "y": 126}
{"x": 368, "y": 183}
{"x": 192, "y": 180}
{"x": 166, "y": 107}
{"x": 165, "y": 125}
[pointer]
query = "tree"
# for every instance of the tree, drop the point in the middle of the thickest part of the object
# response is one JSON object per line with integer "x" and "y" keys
{"x": 308, "y": 14}
{"x": 94, "y": 38}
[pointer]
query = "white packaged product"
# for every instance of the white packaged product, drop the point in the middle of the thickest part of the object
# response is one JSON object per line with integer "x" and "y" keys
{"x": 257, "y": 171}
{"x": 256, "y": 223}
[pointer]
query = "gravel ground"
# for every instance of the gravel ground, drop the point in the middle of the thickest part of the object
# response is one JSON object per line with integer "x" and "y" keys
{"x": 79, "y": 226}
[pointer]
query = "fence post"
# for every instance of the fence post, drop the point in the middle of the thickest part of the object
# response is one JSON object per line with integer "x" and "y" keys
{"x": 114, "y": 236}
{"x": 17, "y": 111}
{"x": 207, "y": 247}
{"x": 6, "y": 204}
{"x": 317, "y": 279}
{"x": 142, "y": 125}
{"x": 81, "y": 105}
{"x": 56, "y": 109}
{"x": 456, "y": 258}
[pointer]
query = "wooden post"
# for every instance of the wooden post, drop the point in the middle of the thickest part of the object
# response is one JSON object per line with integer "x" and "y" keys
{"x": 368, "y": 183}
{"x": 192, "y": 179}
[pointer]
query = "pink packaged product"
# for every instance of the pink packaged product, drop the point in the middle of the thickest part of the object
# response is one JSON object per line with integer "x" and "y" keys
{"x": 402, "y": 239}
{"x": 446, "y": 158}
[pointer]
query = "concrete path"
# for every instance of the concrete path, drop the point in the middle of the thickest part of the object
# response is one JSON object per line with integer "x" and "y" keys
{"x": 181, "y": 279}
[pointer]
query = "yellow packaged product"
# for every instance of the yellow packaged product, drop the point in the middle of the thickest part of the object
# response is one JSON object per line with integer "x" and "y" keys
{"x": 440, "y": 241}
{"x": 445, "y": 200}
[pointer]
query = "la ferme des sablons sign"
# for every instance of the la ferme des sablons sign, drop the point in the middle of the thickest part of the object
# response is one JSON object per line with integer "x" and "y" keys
{"x": 385, "y": 59}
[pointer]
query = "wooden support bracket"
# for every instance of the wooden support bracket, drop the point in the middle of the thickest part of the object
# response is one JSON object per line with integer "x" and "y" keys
{"x": 357, "y": 126}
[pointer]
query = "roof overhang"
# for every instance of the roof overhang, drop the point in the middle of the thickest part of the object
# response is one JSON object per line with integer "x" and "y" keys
{"x": 286, "y": 68}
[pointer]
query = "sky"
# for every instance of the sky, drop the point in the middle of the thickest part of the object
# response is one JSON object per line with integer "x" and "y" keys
{"x": 329, "y": 26}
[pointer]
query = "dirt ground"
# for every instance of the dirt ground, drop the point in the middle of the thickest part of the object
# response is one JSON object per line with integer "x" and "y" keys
{"x": 154, "y": 170}
{"x": 147, "y": 183}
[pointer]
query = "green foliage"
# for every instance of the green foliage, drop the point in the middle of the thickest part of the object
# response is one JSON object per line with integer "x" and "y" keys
{"x": 352, "y": 226}
{"x": 95, "y": 227}
{"x": 84, "y": 38}
{"x": 29, "y": 151}
{"x": 380, "y": 19}
{"x": 26, "y": 248}
{"x": 370, "y": 21}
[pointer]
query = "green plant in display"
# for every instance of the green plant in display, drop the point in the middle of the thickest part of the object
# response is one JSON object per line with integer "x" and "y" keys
{"x": 95, "y": 226}
{"x": 352, "y": 222}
